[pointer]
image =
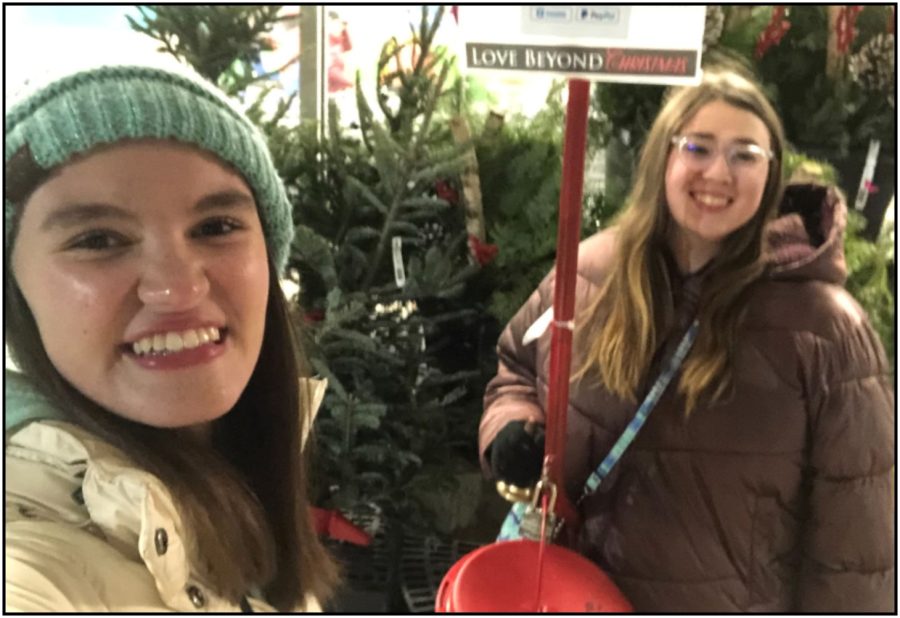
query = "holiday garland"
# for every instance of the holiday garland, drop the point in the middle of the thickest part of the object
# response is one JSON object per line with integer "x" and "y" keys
{"x": 845, "y": 27}
{"x": 773, "y": 33}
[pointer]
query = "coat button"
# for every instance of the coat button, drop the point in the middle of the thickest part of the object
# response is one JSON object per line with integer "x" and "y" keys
{"x": 161, "y": 539}
{"x": 196, "y": 596}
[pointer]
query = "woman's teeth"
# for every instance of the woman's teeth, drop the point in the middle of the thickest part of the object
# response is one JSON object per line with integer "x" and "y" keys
{"x": 164, "y": 343}
{"x": 713, "y": 201}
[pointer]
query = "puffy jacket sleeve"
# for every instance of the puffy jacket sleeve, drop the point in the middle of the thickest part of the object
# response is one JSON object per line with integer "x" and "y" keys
{"x": 513, "y": 393}
{"x": 848, "y": 552}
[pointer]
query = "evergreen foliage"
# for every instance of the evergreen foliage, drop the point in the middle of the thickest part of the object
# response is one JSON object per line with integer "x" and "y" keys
{"x": 520, "y": 164}
{"x": 222, "y": 42}
{"x": 869, "y": 264}
{"x": 384, "y": 267}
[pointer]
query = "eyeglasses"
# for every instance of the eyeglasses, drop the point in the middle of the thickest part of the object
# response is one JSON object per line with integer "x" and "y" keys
{"x": 698, "y": 153}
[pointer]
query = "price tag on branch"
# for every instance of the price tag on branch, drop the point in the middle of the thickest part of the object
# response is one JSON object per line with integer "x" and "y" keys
{"x": 397, "y": 252}
{"x": 865, "y": 183}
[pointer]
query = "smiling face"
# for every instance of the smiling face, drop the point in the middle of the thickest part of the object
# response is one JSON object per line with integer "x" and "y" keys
{"x": 709, "y": 204}
{"x": 145, "y": 268}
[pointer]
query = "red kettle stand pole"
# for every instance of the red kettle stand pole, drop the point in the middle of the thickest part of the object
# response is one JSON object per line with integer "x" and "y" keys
{"x": 568, "y": 237}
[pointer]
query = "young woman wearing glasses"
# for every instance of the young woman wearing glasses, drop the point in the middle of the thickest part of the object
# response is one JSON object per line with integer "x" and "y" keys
{"x": 762, "y": 479}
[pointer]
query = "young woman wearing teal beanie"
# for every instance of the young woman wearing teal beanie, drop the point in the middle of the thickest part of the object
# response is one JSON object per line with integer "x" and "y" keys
{"x": 154, "y": 427}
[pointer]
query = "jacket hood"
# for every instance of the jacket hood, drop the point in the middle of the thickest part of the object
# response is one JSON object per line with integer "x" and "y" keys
{"x": 806, "y": 240}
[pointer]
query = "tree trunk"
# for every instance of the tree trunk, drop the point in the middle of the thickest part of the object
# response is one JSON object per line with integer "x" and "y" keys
{"x": 471, "y": 183}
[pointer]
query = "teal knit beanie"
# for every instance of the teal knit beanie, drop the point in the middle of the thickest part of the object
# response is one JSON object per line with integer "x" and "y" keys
{"x": 105, "y": 105}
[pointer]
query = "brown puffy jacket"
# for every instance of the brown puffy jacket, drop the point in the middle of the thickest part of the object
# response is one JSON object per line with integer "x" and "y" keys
{"x": 776, "y": 499}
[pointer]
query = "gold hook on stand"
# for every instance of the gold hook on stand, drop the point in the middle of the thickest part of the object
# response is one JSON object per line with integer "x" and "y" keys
{"x": 514, "y": 493}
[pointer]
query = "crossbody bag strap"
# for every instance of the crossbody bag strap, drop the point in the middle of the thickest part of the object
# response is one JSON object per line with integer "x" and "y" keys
{"x": 650, "y": 401}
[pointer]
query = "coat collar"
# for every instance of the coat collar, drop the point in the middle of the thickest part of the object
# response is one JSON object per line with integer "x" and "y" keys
{"x": 58, "y": 472}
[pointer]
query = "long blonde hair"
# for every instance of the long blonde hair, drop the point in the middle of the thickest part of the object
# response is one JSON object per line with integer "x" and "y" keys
{"x": 621, "y": 329}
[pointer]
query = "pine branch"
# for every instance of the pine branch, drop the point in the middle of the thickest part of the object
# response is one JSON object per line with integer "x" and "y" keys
{"x": 385, "y": 232}
{"x": 368, "y": 194}
{"x": 430, "y": 107}
{"x": 365, "y": 114}
{"x": 389, "y": 50}
{"x": 428, "y": 33}
{"x": 241, "y": 85}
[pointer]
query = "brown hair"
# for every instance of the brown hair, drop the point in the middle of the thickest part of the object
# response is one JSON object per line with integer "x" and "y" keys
{"x": 622, "y": 327}
{"x": 244, "y": 495}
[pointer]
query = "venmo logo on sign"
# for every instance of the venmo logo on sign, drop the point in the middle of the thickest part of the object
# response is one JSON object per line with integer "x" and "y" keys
{"x": 551, "y": 13}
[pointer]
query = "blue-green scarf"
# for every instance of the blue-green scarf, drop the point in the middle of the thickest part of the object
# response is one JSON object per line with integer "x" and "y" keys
{"x": 23, "y": 402}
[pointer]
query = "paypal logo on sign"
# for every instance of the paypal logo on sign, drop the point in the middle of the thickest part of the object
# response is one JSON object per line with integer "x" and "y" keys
{"x": 598, "y": 16}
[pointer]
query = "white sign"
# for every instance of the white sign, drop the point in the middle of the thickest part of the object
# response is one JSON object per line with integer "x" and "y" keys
{"x": 588, "y": 21}
{"x": 620, "y": 43}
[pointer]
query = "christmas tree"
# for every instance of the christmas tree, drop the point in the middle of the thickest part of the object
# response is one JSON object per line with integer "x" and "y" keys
{"x": 386, "y": 276}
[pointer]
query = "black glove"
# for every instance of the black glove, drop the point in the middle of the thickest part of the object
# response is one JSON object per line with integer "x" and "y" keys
{"x": 517, "y": 453}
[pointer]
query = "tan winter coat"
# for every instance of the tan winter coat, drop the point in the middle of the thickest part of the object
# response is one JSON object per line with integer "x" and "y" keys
{"x": 86, "y": 531}
{"x": 778, "y": 498}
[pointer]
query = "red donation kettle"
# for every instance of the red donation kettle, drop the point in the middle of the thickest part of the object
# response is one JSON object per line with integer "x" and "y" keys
{"x": 502, "y": 577}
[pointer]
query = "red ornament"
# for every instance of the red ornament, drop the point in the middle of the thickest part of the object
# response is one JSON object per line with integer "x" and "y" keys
{"x": 446, "y": 192}
{"x": 339, "y": 77}
{"x": 334, "y": 525}
{"x": 845, "y": 27}
{"x": 313, "y": 316}
{"x": 871, "y": 187}
{"x": 483, "y": 253}
{"x": 773, "y": 33}
{"x": 454, "y": 10}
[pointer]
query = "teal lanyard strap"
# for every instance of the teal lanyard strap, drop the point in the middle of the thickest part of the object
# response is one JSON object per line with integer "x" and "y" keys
{"x": 650, "y": 401}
